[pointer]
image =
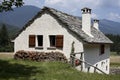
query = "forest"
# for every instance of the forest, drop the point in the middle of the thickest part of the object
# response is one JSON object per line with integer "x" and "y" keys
{"x": 5, "y": 41}
{"x": 115, "y": 47}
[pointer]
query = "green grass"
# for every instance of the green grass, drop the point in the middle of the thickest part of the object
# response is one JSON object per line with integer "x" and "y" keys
{"x": 11, "y": 69}
{"x": 114, "y": 54}
{"x": 115, "y": 64}
{"x": 28, "y": 70}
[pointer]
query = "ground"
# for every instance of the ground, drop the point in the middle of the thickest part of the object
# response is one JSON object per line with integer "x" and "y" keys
{"x": 11, "y": 69}
{"x": 115, "y": 59}
{"x": 115, "y": 64}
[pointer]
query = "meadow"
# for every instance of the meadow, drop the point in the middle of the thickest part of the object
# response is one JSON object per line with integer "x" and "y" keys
{"x": 11, "y": 69}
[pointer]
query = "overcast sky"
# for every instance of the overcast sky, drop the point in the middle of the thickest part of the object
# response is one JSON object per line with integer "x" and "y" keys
{"x": 101, "y": 9}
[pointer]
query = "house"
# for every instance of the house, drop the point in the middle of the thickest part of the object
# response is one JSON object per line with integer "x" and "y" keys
{"x": 53, "y": 30}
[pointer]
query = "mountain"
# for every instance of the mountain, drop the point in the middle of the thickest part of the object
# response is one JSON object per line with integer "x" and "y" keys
{"x": 19, "y": 16}
{"x": 109, "y": 27}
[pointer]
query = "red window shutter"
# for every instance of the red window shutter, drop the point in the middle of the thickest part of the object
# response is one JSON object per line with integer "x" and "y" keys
{"x": 59, "y": 41}
{"x": 31, "y": 40}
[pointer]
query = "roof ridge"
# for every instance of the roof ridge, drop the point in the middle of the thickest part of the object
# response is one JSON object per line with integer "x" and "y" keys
{"x": 45, "y": 7}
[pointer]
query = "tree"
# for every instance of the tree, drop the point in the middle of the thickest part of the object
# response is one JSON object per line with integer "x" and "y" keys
{"x": 115, "y": 47}
{"x": 118, "y": 48}
{"x": 6, "y": 5}
{"x": 4, "y": 38}
{"x": 5, "y": 44}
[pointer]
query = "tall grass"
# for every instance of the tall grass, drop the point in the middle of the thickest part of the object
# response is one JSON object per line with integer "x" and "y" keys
{"x": 11, "y": 69}
{"x": 28, "y": 70}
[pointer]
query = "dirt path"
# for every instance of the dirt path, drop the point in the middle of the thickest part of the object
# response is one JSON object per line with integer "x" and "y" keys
{"x": 115, "y": 59}
{"x": 6, "y": 55}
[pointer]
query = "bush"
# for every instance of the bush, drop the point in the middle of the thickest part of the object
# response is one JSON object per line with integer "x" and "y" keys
{"x": 7, "y": 48}
{"x": 40, "y": 56}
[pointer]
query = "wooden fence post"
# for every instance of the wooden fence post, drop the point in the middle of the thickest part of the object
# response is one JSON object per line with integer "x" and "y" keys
{"x": 72, "y": 60}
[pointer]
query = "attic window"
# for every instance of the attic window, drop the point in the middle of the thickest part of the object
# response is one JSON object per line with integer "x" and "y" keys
{"x": 56, "y": 41}
{"x": 102, "y": 49}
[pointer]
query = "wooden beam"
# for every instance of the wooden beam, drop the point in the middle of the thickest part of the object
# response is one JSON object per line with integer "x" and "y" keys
{"x": 89, "y": 64}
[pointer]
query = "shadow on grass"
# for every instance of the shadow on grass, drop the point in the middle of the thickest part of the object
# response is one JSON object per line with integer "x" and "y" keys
{"x": 17, "y": 71}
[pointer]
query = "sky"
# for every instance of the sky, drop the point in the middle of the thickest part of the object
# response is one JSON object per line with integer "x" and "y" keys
{"x": 101, "y": 9}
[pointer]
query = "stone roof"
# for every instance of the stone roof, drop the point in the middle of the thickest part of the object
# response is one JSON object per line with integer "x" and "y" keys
{"x": 74, "y": 24}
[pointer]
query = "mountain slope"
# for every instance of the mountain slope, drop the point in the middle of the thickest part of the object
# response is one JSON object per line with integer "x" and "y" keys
{"x": 109, "y": 27}
{"x": 19, "y": 16}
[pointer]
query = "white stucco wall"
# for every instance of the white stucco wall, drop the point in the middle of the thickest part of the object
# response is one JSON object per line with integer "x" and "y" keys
{"x": 92, "y": 55}
{"x": 47, "y": 25}
{"x": 96, "y": 25}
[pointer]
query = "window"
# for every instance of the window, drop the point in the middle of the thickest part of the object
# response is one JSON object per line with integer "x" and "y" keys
{"x": 102, "y": 49}
{"x": 40, "y": 40}
{"x": 31, "y": 40}
{"x": 52, "y": 41}
{"x": 56, "y": 41}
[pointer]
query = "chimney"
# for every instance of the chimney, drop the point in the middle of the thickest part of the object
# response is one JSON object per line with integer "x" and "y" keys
{"x": 86, "y": 21}
{"x": 96, "y": 24}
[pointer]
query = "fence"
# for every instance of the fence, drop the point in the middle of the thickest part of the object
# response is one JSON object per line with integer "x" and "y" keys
{"x": 73, "y": 63}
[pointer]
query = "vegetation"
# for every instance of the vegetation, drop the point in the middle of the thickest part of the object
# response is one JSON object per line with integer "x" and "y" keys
{"x": 4, "y": 38}
{"x": 115, "y": 64}
{"x": 115, "y": 47}
{"x": 6, "y": 5}
{"x": 5, "y": 44}
{"x": 11, "y": 69}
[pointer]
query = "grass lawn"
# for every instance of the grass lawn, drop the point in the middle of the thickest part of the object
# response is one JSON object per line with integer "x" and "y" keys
{"x": 114, "y": 54}
{"x": 11, "y": 69}
{"x": 115, "y": 61}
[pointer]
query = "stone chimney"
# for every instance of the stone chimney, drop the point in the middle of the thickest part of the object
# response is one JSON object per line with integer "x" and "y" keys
{"x": 86, "y": 21}
{"x": 96, "y": 24}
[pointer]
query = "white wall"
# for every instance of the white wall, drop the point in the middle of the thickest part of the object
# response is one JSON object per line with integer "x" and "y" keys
{"x": 47, "y": 25}
{"x": 92, "y": 55}
{"x": 96, "y": 25}
{"x": 86, "y": 23}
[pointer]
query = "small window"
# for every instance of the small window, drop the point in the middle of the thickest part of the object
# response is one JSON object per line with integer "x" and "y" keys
{"x": 88, "y": 69}
{"x": 56, "y": 41}
{"x": 102, "y": 49}
{"x": 52, "y": 41}
{"x": 106, "y": 68}
{"x": 102, "y": 64}
{"x": 95, "y": 68}
{"x": 31, "y": 40}
{"x": 40, "y": 40}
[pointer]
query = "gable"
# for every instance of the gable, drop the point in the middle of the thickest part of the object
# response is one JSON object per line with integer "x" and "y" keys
{"x": 45, "y": 24}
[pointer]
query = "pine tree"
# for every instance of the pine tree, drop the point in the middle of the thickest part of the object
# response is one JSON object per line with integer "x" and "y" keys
{"x": 4, "y": 38}
{"x": 115, "y": 47}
